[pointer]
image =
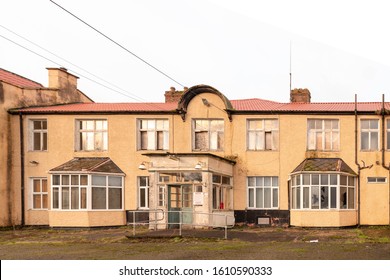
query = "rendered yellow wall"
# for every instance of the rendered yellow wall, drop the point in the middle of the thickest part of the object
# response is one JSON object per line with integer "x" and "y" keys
{"x": 323, "y": 218}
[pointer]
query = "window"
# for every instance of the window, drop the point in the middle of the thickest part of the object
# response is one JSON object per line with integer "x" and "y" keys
{"x": 263, "y": 134}
{"x": 91, "y": 135}
{"x": 38, "y": 135}
{"x": 86, "y": 192}
{"x": 222, "y": 192}
{"x": 39, "y": 193}
{"x": 323, "y": 135}
{"x": 376, "y": 180}
{"x": 369, "y": 131}
{"x": 143, "y": 192}
{"x": 208, "y": 135}
{"x": 263, "y": 192}
{"x": 153, "y": 135}
{"x": 388, "y": 134}
{"x": 323, "y": 191}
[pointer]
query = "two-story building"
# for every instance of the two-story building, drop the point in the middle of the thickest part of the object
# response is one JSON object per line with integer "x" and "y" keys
{"x": 255, "y": 161}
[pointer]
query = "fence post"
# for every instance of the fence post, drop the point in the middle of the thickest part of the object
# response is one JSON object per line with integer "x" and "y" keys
{"x": 133, "y": 223}
{"x": 226, "y": 226}
{"x": 180, "y": 221}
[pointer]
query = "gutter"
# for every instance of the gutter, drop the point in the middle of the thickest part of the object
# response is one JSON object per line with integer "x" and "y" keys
{"x": 22, "y": 186}
{"x": 383, "y": 112}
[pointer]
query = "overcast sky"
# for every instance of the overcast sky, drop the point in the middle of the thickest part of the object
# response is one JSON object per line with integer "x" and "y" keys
{"x": 242, "y": 48}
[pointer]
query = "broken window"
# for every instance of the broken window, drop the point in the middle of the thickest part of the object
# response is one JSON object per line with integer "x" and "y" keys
{"x": 153, "y": 134}
{"x": 208, "y": 135}
{"x": 369, "y": 135}
{"x": 263, "y": 134}
{"x": 91, "y": 135}
{"x": 323, "y": 135}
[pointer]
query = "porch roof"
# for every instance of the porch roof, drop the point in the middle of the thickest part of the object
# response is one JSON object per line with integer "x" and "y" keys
{"x": 230, "y": 160}
{"x": 88, "y": 165}
{"x": 324, "y": 165}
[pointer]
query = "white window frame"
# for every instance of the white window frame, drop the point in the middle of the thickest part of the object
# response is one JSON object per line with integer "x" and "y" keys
{"x": 259, "y": 134}
{"x": 81, "y": 203}
{"x": 42, "y": 132}
{"x": 318, "y": 128}
{"x": 370, "y": 131}
{"x": 39, "y": 193}
{"x": 153, "y": 128}
{"x": 222, "y": 192}
{"x": 313, "y": 190}
{"x": 92, "y": 133}
{"x": 376, "y": 180}
{"x": 212, "y": 137}
{"x": 388, "y": 134}
{"x": 258, "y": 183}
{"x": 143, "y": 188}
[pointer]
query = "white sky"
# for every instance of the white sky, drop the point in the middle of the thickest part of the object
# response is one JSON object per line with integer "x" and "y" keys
{"x": 242, "y": 48}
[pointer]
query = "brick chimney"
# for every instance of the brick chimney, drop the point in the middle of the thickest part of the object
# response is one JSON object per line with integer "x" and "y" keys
{"x": 300, "y": 95}
{"x": 174, "y": 95}
{"x": 60, "y": 78}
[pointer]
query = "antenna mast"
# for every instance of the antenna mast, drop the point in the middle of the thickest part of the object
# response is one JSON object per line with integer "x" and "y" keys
{"x": 290, "y": 67}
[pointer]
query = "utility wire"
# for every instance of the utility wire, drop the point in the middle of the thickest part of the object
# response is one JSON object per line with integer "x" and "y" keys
{"x": 119, "y": 45}
{"x": 46, "y": 50}
{"x": 78, "y": 74}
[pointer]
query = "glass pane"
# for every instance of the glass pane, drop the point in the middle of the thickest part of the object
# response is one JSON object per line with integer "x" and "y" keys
{"x": 306, "y": 198}
{"x": 335, "y": 141}
{"x": 37, "y": 201}
{"x": 333, "y": 179}
{"x": 268, "y": 140}
{"x": 216, "y": 125}
{"x": 160, "y": 140}
{"x": 351, "y": 198}
{"x": 83, "y": 180}
{"x": 343, "y": 180}
{"x": 142, "y": 197}
{"x": 315, "y": 179}
{"x": 75, "y": 180}
{"x": 98, "y": 180}
{"x": 55, "y": 198}
{"x": 251, "y": 181}
{"x": 324, "y": 197}
{"x": 259, "y": 181}
{"x": 144, "y": 140}
{"x": 65, "y": 179}
{"x": 328, "y": 124}
{"x": 275, "y": 181}
{"x": 275, "y": 140}
{"x": 298, "y": 198}
{"x": 306, "y": 179}
{"x": 343, "y": 198}
{"x": 325, "y": 179}
{"x": 65, "y": 197}
{"x": 294, "y": 197}
{"x": 374, "y": 141}
{"x": 44, "y": 124}
{"x": 351, "y": 181}
{"x": 225, "y": 180}
{"x": 328, "y": 141}
{"x": 267, "y": 197}
{"x": 335, "y": 124}
{"x": 44, "y": 141}
{"x": 267, "y": 181}
{"x": 333, "y": 197}
{"x": 151, "y": 144}
{"x": 114, "y": 198}
{"x": 83, "y": 198}
{"x": 217, "y": 179}
{"x": 275, "y": 197}
{"x": 251, "y": 197}
{"x": 44, "y": 201}
{"x": 36, "y": 185}
{"x": 364, "y": 124}
{"x": 319, "y": 141}
{"x": 143, "y": 181}
{"x": 44, "y": 185}
{"x": 37, "y": 124}
{"x": 98, "y": 198}
{"x": 315, "y": 198}
{"x": 259, "y": 198}
{"x": 56, "y": 180}
{"x": 75, "y": 198}
{"x": 364, "y": 141}
{"x": 37, "y": 141}
{"x": 115, "y": 181}
{"x": 374, "y": 124}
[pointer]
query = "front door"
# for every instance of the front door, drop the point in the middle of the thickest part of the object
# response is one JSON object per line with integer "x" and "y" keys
{"x": 179, "y": 199}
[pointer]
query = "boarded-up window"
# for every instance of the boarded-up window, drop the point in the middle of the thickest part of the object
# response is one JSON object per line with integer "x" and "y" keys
{"x": 153, "y": 134}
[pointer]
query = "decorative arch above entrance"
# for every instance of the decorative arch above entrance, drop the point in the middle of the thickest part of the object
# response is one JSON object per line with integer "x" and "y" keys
{"x": 199, "y": 89}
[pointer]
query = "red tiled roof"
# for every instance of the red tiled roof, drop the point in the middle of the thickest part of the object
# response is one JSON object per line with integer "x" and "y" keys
{"x": 244, "y": 105}
{"x": 17, "y": 80}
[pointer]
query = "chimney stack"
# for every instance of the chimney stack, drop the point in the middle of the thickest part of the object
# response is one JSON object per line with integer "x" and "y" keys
{"x": 174, "y": 95}
{"x": 300, "y": 95}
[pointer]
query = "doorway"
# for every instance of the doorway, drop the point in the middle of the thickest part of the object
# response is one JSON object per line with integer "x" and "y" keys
{"x": 179, "y": 199}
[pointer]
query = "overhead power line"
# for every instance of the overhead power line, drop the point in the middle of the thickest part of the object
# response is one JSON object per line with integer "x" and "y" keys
{"x": 119, "y": 45}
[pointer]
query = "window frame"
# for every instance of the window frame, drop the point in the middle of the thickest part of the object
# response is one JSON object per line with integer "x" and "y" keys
{"x": 79, "y": 147}
{"x": 261, "y": 135}
{"x": 145, "y": 203}
{"x": 335, "y": 189}
{"x": 222, "y": 192}
{"x": 260, "y": 185}
{"x": 370, "y": 132}
{"x": 84, "y": 190}
{"x": 155, "y": 132}
{"x": 43, "y": 135}
{"x": 219, "y": 134}
{"x": 313, "y": 131}
{"x": 41, "y": 193}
